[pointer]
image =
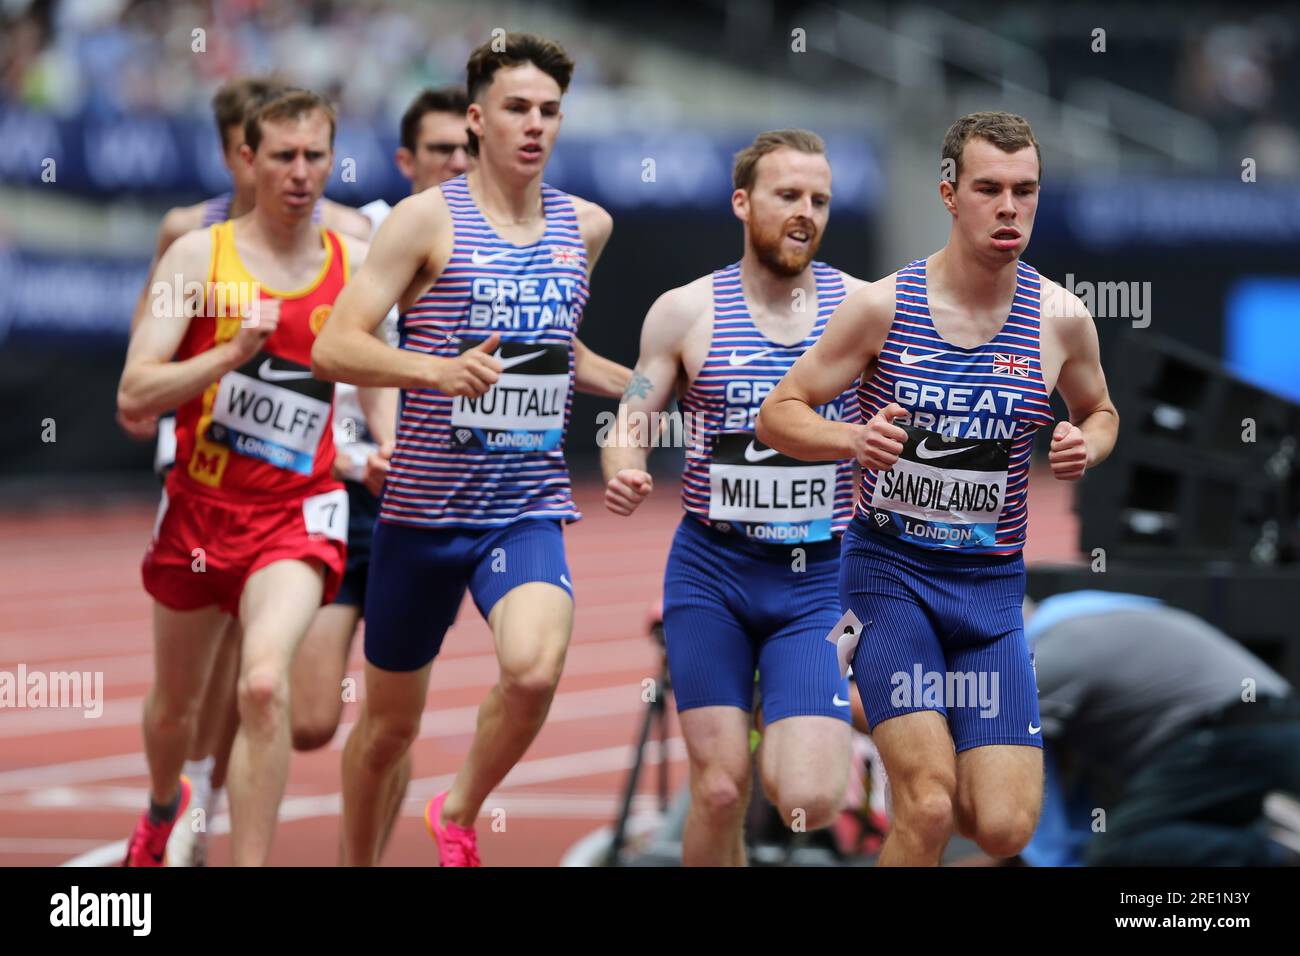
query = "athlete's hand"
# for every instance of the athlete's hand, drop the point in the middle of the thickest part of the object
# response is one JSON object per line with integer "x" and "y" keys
{"x": 140, "y": 429}
{"x": 377, "y": 468}
{"x": 472, "y": 372}
{"x": 1069, "y": 454}
{"x": 259, "y": 322}
{"x": 627, "y": 489}
{"x": 879, "y": 442}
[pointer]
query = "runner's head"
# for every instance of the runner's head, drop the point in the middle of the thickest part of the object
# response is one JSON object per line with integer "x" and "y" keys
{"x": 435, "y": 143}
{"x": 990, "y": 174}
{"x": 514, "y": 84}
{"x": 230, "y": 105}
{"x": 783, "y": 196}
{"x": 289, "y": 148}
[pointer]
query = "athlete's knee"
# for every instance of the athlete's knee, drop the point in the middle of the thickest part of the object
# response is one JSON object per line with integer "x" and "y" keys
{"x": 168, "y": 713}
{"x": 386, "y": 737}
{"x": 927, "y": 813}
{"x": 718, "y": 794}
{"x": 532, "y": 681}
{"x": 313, "y": 732}
{"x": 1004, "y": 831}
{"x": 263, "y": 694}
{"x": 807, "y": 805}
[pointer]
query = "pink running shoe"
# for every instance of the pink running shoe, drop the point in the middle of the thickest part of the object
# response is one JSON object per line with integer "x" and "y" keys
{"x": 148, "y": 843}
{"x": 457, "y": 845}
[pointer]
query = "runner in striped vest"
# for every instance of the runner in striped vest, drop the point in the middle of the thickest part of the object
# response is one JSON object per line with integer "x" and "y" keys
{"x": 751, "y": 575}
{"x": 490, "y": 274}
{"x": 955, "y": 357}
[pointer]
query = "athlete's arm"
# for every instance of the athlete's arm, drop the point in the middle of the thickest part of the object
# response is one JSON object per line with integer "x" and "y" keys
{"x": 378, "y": 403}
{"x": 175, "y": 224}
{"x": 151, "y": 382}
{"x": 851, "y": 341}
{"x": 418, "y": 229}
{"x": 625, "y": 450}
{"x": 594, "y": 374}
{"x": 1088, "y": 437}
{"x": 345, "y": 220}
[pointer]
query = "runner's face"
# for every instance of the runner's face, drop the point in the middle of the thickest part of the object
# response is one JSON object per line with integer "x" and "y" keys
{"x": 995, "y": 200}
{"x": 293, "y": 163}
{"x": 787, "y": 208}
{"x": 440, "y": 150}
{"x": 517, "y": 119}
{"x": 240, "y": 172}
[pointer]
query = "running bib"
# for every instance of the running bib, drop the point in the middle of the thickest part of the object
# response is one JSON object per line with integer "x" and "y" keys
{"x": 327, "y": 514}
{"x": 772, "y": 497}
{"x": 943, "y": 491}
{"x": 273, "y": 410}
{"x": 524, "y": 410}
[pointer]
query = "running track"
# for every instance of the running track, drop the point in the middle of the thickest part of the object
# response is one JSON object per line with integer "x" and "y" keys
{"x": 72, "y": 786}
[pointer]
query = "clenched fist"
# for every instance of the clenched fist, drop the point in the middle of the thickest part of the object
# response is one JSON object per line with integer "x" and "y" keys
{"x": 472, "y": 372}
{"x": 258, "y": 324}
{"x": 1069, "y": 454}
{"x": 879, "y": 442}
{"x": 626, "y": 490}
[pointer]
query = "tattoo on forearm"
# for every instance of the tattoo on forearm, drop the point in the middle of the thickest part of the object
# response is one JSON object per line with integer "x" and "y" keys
{"x": 638, "y": 387}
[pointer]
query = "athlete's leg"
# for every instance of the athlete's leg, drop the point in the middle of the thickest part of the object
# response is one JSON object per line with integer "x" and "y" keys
{"x": 396, "y": 797}
{"x": 276, "y": 608}
{"x": 717, "y": 742}
{"x": 416, "y": 584}
{"x": 376, "y": 759}
{"x": 919, "y": 759}
{"x": 530, "y": 625}
{"x": 219, "y": 695}
{"x": 999, "y": 796}
{"x": 898, "y": 647}
{"x": 804, "y": 757}
{"x": 316, "y": 677}
{"x": 996, "y": 727}
{"x": 708, "y": 583}
{"x": 185, "y": 647}
{"x": 804, "y": 762}
{"x": 228, "y": 721}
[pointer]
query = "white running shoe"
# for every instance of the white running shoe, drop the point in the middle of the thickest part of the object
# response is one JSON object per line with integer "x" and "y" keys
{"x": 188, "y": 843}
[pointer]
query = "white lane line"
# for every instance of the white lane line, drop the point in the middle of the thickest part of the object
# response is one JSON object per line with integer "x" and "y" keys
{"x": 54, "y": 845}
{"x": 542, "y": 770}
{"x": 444, "y": 722}
{"x": 471, "y": 670}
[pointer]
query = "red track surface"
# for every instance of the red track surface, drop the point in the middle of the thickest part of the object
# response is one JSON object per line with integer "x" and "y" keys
{"x": 70, "y": 589}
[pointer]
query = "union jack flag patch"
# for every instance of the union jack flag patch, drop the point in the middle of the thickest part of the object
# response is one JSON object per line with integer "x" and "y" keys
{"x": 1007, "y": 364}
{"x": 564, "y": 256}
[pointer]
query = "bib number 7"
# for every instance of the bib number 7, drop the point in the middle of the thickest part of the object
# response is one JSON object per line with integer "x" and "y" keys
{"x": 327, "y": 514}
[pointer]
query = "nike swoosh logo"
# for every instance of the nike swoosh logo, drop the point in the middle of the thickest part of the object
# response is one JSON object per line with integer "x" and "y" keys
{"x": 479, "y": 259}
{"x": 1033, "y": 729}
{"x": 753, "y": 454}
{"x": 566, "y": 581}
{"x": 517, "y": 359}
{"x": 923, "y": 452}
{"x": 736, "y": 360}
{"x": 911, "y": 358}
{"x": 269, "y": 374}
{"x": 839, "y": 703}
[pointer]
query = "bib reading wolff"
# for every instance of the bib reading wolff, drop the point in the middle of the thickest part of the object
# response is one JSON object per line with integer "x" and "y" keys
{"x": 962, "y": 479}
{"x": 264, "y": 427}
